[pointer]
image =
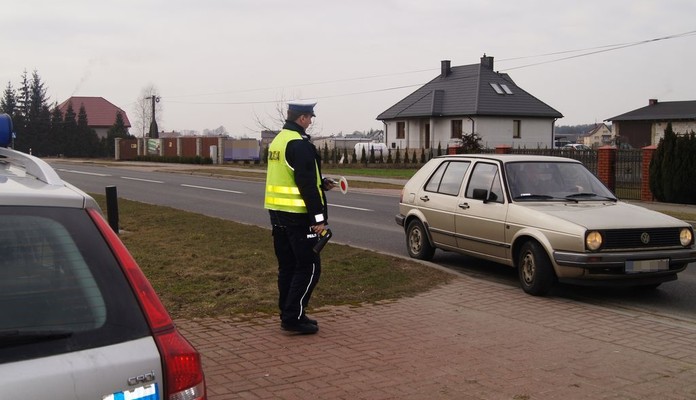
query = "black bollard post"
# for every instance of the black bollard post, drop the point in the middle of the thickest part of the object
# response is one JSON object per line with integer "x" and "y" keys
{"x": 112, "y": 207}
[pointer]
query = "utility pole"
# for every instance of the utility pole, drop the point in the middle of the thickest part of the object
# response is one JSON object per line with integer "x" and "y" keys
{"x": 154, "y": 132}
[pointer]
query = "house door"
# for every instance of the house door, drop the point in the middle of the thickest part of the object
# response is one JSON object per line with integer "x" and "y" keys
{"x": 427, "y": 136}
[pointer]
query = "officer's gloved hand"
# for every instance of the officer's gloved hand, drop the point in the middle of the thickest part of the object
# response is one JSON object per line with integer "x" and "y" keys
{"x": 328, "y": 184}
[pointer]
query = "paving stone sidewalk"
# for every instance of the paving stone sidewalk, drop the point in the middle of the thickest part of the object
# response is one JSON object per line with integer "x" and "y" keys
{"x": 470, "y": 339}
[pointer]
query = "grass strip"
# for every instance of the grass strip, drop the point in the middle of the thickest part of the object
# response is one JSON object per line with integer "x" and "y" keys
{"x": 208, "y": 267}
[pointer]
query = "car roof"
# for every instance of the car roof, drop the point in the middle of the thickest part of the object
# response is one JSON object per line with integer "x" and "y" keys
{"x": 507, "y": 158}
{"x": 26, "y": 180}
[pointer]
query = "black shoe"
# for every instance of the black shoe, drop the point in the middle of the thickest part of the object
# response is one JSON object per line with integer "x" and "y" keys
{"x": 308, "y": 320}
{"x": 300, "y": 327}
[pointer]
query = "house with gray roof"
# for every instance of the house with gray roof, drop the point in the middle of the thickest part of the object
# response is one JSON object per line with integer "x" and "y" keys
{"x": 646, "y": 126}
{"x": 469, "y": 99}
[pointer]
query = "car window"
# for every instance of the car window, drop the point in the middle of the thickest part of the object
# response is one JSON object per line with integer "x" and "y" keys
{"x": 553, "y": 180}
{"x": 57, "y": 275}
{"x": 448, "y": 177}
{"x": 485, "y": 176}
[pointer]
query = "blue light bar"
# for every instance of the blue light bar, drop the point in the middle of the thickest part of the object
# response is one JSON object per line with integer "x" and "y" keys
{"x": 5, "y": 130}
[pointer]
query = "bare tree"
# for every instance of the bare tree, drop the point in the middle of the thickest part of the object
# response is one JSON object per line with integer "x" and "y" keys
{"x": 143, "y": 110}
{"x": 274, "y": 120}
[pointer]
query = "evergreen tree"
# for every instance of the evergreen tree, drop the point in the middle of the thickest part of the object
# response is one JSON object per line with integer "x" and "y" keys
{"x": 41, "y": 127}
{"x": 89, "y": 141}
{"x": 8, "y": 104}
{"x": 117, "y": 130}
{"x": 672, "y": 168}
{"x": 19, "y": 118}
{"x": 414, "y": 160}
{"x": 354, "y": 158}
{"x": 56, "y": 138}
{"x": 471, "y": 143}
{"x": 325, "y": 156}
{"x": 70, "y": 132}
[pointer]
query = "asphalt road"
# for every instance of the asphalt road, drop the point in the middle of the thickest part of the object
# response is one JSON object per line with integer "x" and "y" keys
{"x": 360, "y": 218}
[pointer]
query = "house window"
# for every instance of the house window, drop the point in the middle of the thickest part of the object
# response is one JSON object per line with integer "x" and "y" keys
{"x": 401, "y": 130}
{"x": 497, "y": 88}
{"x": 456, "y": 129}
{"x": 516, "y": 128}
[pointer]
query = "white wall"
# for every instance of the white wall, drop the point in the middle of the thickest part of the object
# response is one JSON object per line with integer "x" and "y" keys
{"x": 679, "y": 127}
{"x": 535, "y": 132}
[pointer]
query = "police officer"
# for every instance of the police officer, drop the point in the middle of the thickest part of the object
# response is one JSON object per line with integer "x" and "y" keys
{"x": 297, "y": 206}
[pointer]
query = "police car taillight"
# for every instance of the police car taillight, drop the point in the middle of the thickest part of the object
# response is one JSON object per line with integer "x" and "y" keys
{"x": 184, "y": 379}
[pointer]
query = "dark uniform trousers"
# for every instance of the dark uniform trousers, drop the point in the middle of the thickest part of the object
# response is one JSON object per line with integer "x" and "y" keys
{"x": 299, "y": 268}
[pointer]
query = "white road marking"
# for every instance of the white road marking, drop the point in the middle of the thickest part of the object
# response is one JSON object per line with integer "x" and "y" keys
{"x": 81, "y": 172}
{"x": 209, "y": 188}
{"x": 352, "y": 208}
{"x": 139, "y": 179}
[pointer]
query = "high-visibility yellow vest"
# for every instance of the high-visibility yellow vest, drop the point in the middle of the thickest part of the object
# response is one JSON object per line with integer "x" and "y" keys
{"x": 282, "y": 193}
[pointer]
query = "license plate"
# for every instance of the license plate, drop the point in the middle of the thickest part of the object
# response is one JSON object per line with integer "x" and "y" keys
{"x": 147, "y": 392}
{"x": 638, "y": 266}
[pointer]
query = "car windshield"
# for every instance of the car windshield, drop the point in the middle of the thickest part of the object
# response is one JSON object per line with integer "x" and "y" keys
{"x": 544, "y": 180}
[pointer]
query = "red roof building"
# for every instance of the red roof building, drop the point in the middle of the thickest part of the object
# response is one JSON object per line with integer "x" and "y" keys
{"x": 101, "y": 114}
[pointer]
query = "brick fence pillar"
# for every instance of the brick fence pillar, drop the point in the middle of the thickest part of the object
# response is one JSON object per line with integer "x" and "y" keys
{"x": 606, "y": 166}
{"x": 645, "y": 192}
{"x": 504, "y": 149}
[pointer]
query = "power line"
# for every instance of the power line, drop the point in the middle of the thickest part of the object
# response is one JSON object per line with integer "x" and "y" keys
{"x": 585, "y": 52}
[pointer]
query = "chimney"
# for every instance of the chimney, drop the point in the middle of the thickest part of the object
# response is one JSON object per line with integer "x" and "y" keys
{"x": 487, "y": 62}
{"x": 652, "y": 102}
{"x": 445, "y": 69}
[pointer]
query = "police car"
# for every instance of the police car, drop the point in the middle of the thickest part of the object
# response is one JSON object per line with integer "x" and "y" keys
{"x": 78, "y": 319}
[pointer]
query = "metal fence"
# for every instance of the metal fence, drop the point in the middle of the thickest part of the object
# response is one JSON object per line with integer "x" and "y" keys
{"x": 628, "y": 173}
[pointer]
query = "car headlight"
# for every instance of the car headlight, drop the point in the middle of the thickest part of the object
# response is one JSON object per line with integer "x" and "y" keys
{"x": 593, "y": 240}
{"x": 686, "y": 237}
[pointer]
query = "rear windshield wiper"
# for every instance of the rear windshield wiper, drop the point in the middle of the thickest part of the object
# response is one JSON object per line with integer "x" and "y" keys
{"x": 589, "y": 194}
{"x": 14, "y": 337}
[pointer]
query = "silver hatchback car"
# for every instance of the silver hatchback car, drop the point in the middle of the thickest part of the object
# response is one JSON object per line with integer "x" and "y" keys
{"x": 78, "y": 319}
{"x": 549, "y": 217}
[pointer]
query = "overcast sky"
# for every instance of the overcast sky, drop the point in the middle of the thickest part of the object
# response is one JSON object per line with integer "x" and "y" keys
{"x": 224, "y": 62}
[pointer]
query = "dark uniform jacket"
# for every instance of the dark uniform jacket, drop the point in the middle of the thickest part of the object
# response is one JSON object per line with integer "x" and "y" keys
{"x": 304, "y": 158}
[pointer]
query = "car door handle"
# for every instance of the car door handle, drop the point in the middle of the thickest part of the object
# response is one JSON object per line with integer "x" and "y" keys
{"x": 425, "y": 198}
{"x": 464, "y": 206}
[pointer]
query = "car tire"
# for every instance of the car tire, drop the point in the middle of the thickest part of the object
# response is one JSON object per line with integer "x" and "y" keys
{"x": 534, "y": 269}
{"x": 417, "y": 242}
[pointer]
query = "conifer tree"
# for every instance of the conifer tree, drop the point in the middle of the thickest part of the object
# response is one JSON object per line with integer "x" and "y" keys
{"x": 56, "y": 138}
{"x": 8, "y": 104}
{"x": 70, "y": 132}
{"x": 117, "y": 130}
{"x": 89, "y": 141}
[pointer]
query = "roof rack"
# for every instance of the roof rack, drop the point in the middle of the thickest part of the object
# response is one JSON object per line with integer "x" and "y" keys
{"x": 33, "y": 166}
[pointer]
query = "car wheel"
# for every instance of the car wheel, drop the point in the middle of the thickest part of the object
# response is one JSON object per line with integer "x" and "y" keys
{"x": 417, "y": 241}
{"x": 534, "y": 269}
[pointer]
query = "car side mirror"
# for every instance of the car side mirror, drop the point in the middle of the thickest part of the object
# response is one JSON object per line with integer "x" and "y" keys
{"x": 484, "y": 195}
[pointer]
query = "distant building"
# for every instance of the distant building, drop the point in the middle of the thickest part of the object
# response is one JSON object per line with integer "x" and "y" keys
{"x": 267, "y": 137}
{"x": 469, "y": 99}
{"x": 646, "y": 126}
{"x": 600, "y": 135}
{"x": 101, "y": 114}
